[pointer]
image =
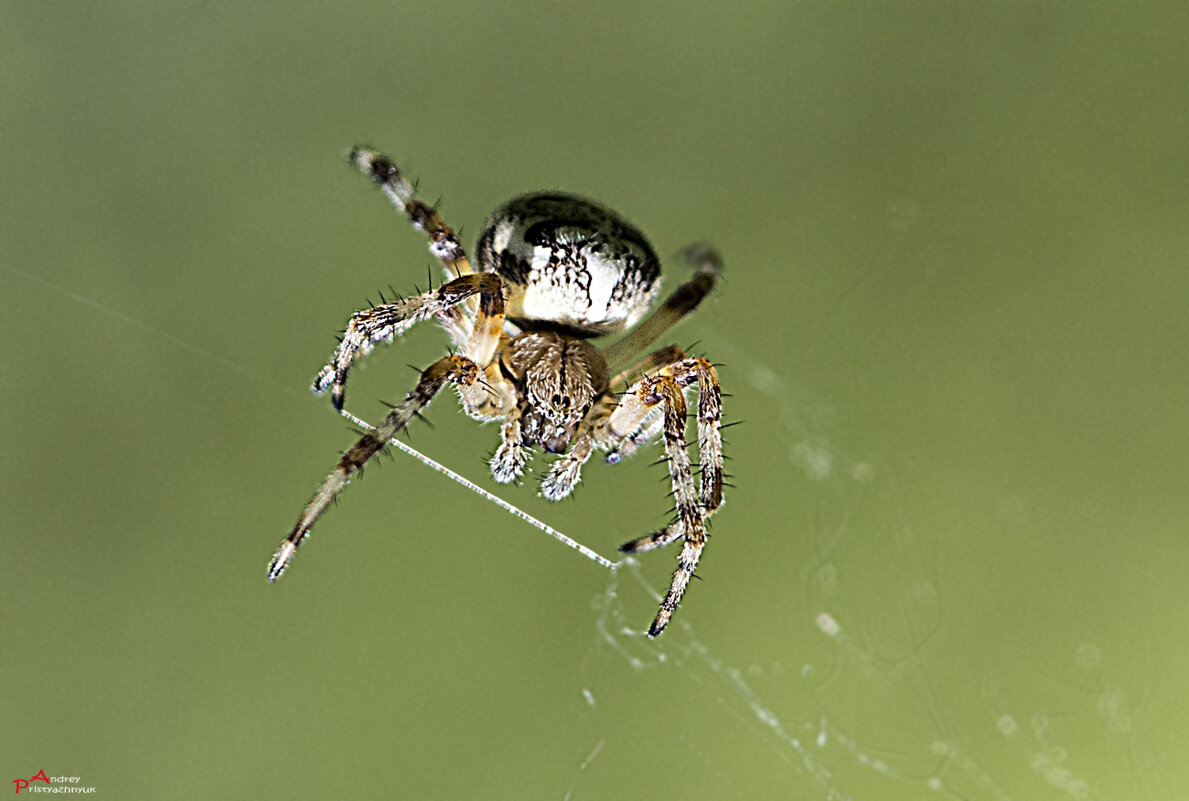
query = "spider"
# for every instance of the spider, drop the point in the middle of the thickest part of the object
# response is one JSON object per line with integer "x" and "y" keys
{"x": 554, "y": 271}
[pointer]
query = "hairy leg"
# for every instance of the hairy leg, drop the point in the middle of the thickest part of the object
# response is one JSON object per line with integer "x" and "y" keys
{"x": 508, "y": 463}
{"x": 694, "y": 504}
{"x": 457, "y": 369}
{"x": 566, "y": 472}
{"x": 381, "y": 324}
{"x": 443, "y": 243}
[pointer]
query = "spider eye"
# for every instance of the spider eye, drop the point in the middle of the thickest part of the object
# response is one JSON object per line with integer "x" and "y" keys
{"x": 560, "y": 403}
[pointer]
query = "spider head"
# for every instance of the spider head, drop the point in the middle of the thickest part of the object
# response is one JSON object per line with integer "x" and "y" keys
{"x": 553, "y": 421}
{"x": 560, "y": 408}
{"x": 559, "y": 377}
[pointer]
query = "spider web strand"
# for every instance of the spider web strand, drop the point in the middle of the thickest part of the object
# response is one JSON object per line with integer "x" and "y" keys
{"x": 498, "y": 501}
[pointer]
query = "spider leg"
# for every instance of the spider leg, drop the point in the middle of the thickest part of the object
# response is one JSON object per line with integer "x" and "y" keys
{"x": 710, "y": 446}
{"x": 708, "y": 264}
{"x": 658, "y": 539}
{"x": 508, "y": 463}
{"x": 652, "y": 422}
{"x": 566, "y": 472}
{"x": 626, "y": 447}
{"x": 646, "y": 364}
{"x": 635, "y": 423}
{"x": 443, "y": 243}
{"x": 379, "y": 324}
{"x": 694, "y": 504}
{"x": 651, "y": 425}
{"x": 456, "y": 369}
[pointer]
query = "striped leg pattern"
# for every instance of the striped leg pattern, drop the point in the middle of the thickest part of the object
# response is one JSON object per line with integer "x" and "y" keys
{"x": 449, "y": 369}
{"x": 694, "y": 504}
{"x": 443, "y": 242}
{"x": 382, "y": 324}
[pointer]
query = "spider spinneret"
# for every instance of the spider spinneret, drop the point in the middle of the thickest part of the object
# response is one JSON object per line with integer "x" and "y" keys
{"x": 553, "y": 271}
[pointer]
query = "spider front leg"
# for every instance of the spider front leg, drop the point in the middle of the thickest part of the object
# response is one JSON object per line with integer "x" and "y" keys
{"x": 507, "y": 464}
{"x": 566, "y": 472}
{"x": 443, "y": 242}
{"x": 482, "y": 396}
{"x": 382, "y": 324}
{"x": 456, "y": 369}
{"x": 693, "y": 504}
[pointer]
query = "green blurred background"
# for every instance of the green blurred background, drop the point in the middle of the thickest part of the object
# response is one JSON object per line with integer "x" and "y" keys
{"x": 953, "y": 321}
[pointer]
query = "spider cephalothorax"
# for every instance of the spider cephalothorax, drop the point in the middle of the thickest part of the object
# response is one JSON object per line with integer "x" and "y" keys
{"x": 557, "y": 378}
{"x": 553, "y": 271}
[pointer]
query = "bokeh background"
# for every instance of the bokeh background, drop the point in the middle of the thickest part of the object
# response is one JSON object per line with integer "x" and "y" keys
{"x": 952, "y": 321}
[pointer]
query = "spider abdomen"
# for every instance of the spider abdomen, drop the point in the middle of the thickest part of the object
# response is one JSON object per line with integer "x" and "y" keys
{"x": 569, "y": 261}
